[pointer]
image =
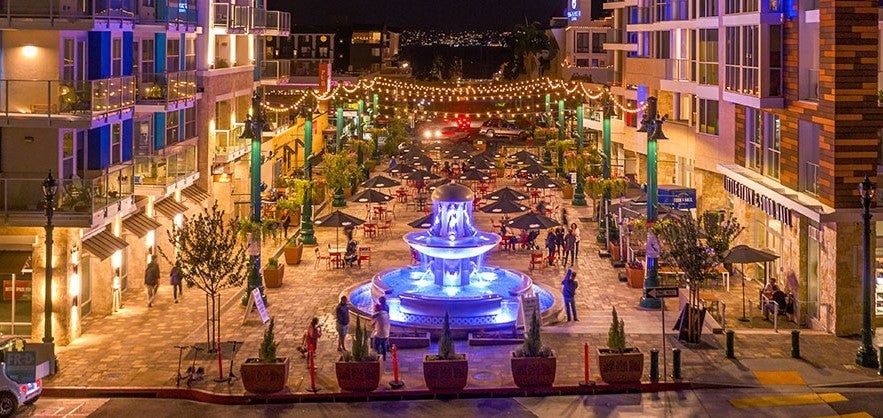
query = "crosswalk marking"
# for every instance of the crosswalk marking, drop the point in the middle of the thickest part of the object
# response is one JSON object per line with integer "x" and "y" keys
{"x": 779, "y": 377}
{"x": 787, "y": 400}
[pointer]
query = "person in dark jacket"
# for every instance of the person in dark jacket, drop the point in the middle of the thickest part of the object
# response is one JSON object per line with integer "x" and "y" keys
{"x": 151, "y": 280}
{"x": 342, "y": 322}
{"x": 175, "y": 281}
{"x": 569, "y": 248}
{"x": 559, "y": 240}
{"x": 568, "y": 290}
{"x": 552, "y": 246}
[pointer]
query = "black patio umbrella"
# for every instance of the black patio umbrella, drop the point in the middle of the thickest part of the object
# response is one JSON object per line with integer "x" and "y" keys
{"x": 420, "y": 174}
{"x": 504, "y": 206}
{"x": 380, "y": 182}
{"x": 480, "y": 164}
{"x": 489, "y": 155}
{"x": 532, "y": 220}
{"x": 524, "y": 156}
{"x": 371, "y": 196}
{"x": 456, "y": 154}
{"x": 414, "y": 154}
{"x": 534, "y": 170}
{"x": 424, "y": 222}
{"x": 338, "y": 219}
{"x": 423, "y": 163}
{"x": 400, "y": 169}
{"x": 543, "y": 182}
{"x": 506, "y": 193}
{"x": 742, "y": 254}
{"x": 436, "y": 184}
{"x": 475, "y": 175}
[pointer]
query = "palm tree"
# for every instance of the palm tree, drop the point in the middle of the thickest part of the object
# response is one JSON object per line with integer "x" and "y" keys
{"x": 530, "y": 45}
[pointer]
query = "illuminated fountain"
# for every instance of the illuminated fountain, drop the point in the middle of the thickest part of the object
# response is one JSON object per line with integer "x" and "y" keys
{"x": 450, "y": 275}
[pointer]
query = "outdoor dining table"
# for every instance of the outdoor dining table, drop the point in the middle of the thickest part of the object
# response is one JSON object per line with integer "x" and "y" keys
{"x": 336, "y": 254}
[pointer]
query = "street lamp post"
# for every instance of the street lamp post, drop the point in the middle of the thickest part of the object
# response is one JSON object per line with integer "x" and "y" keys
{"x": 50, "y": 186}
{"x": 653, "y": 126}
{"x": 307, "y": 235}
{"x": 254, "y": 127}
{"x": 866, "y": 355}
{"x": 579, "y": 195}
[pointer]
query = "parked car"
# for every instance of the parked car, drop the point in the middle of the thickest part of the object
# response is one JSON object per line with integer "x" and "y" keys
{"x": 13, "y": 394}
{"x": 501, "y": 127}
{"x": 449, "y": 133}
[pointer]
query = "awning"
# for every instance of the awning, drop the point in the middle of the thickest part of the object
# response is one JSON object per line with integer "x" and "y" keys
{"x": 13, "y": 262}
{"x": 104, "y": 244}
{"x": 195, "y": 194}
{"x": 169, "y": 208}
{"x": 140, "y": 224}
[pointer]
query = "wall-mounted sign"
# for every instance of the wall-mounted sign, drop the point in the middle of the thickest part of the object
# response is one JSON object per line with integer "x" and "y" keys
{"x": 573, "y": 12}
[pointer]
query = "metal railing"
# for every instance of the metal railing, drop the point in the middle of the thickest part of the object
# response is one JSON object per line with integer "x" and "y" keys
{"x": 258, "y": 19}
{"x": 278, "y": 21}
{"x": 64, "y": 9}
{"x": 236, "y": 17}
{"x": 52, "y": 98}
{"x": 810, "y": 178}
{"x": 228, "y": 143}
{"x": 275, "y": 69}
{"x": 167, "y": 168}
{"x": 77, "y": 196}
{"x": 167, "y": 87}
{"x": 171, "y": 11}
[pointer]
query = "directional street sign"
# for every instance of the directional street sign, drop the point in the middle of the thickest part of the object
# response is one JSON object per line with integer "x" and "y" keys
{"x": 661, "y": 292}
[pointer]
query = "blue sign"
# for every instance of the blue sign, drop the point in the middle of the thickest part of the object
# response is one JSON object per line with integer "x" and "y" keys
{"x": 573, "y": 13}
{"x": 677, "y": 197}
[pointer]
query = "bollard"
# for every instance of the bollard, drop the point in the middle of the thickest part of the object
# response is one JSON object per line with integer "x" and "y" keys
{"x": 654, "y": 365}
{"x": 220, "y": 377}
{"x": 676, "y": 363}
{"x": 795, "y": 343}
{"x": 586, "y": 381}
{"x": 395, "y": 383}
{"x": 312, "y": 365}
{"x": 731, "y": 338}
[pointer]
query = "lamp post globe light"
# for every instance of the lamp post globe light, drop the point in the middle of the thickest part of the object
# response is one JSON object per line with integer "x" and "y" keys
{"x": 652, "y": 124}
{"x": 866, "y": 355}
{"x": 50, "y": 187}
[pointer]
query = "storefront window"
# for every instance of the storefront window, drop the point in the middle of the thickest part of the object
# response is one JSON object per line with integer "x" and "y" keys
{"x": 15, "y": 304}
{"x": 767, "y": 235}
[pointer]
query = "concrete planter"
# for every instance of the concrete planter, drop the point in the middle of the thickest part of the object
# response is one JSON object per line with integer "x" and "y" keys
{"x": 273, "y": 276}
{"x": 528, "y": 372}
{"x": 258, "y": 377}
{"x": 445, "y": 374}
{"x": 625, "y": 367}
{"x": 358, "y": 376}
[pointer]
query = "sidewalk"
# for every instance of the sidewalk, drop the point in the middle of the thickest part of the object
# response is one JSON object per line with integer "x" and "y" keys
{"x": 134, "y": 351}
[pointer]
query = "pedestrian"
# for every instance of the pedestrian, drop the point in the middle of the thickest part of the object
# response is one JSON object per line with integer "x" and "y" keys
{"x": 286, "y": 222}
{"x": 559, "y": 240}
{"x": 564, "y": 220}
{"x": 342, "y": 322}
{"x": 392, "y": 162}
{"x": 380, "y": 335}
{"x": 551, "y": 245}
{"x": 311, "y": 336}
{"x": 568, "y": 291}
{"x": 575, "y": 229}
{"x": 151, "y": 280}
{"x": 569, "y": 246}
{"x": 175, "y": 281}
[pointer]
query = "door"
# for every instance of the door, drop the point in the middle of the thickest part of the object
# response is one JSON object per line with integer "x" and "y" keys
{"x": 15, "y": 304}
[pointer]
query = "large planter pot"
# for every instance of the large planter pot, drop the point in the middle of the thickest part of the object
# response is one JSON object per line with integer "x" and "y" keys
{"x": 358, "y": 376}
{"x": 293, "y": 254}
{"x": 445, "y": 374}
{"x": 625, "y": 367}
{"x": 615, "y": 253}
{"x": 530, "y": 372}
{"x": 273, "y": 276}
{"x": 260, "y": 377}
{"x": 567, "y": 192}
{"x": 635, "y": 277}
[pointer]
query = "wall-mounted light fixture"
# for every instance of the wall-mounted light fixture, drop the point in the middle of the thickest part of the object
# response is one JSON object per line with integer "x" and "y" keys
{"x": 29, "y": 139}
{"x": 29, "y": 51}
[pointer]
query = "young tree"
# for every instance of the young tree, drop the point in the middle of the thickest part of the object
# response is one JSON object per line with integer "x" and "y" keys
{"x": 697, "y": 247}
{"x": 210, "y": 258}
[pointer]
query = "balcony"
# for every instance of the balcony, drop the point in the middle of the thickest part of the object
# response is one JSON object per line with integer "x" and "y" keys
{"x": 176, "y": 14}
{"x": 228, "y": 145}
{"x": 239, "y": 18}
{"x": 278, "y": 23}
{"x": 79, "y": 202}
{"x": 67, "y": 14}
{"x": 166, "y": 88}
{"x": 679, "y": 70}
{"x": 173, "y": 168}
{"x": 275, "y": 70}
{"x": 55, "y": 101}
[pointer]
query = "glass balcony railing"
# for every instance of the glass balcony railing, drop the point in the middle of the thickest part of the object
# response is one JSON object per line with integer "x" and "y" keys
{"x": 67, "y": 9}
{"x": 237, "y": 18}
{"x": 679, "y": 70}
{"x": 258, "y": 18}
{"x": 228, "y": 144}
{"x": 279, "y": 21}
{"x": 167, "y": 168}
{"x": 54, "y": 98}
{"x": 810, "y": 178}
{"x": 166, "y": 87}
{"x": 275, "y": 69}
{"x": 74, "y": 196}
{"x": 170, "y": 11}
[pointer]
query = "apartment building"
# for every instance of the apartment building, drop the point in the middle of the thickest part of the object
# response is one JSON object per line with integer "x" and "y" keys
{"x": 772, "y": 114}
{"x": 108, "y": 96}
{"x": 581, "y": 42}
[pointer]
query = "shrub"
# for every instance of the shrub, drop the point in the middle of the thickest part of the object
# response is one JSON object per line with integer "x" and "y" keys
{"x": 446, "y": 350}
{"x": 360, "y": 350}
{"x": 533, "y": 345}
{"x": 267, "y": 350}
{"x": 616, "y": 335}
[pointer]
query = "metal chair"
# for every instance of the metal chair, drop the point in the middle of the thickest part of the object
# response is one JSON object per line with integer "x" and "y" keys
{"x": 320, "y": 257}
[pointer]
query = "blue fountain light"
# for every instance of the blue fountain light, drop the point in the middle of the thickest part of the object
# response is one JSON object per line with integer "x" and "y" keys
{"x": 451, "y": 276}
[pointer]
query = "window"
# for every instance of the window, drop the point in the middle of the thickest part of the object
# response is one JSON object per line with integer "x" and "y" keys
{"x": 172, "y": 128}
{"x": 147, "y": 56}
{"x": 68, "y": 154}
{"x": 741, "y": 6}
{"x": 323, "y": 52}
{"x": 742, "y": 74}
{"x": 582, "y": 43}
{"x": 754, "y": 139}
{"x": 662, "y": 40}
{"x": 582, "y": 63}
{"x": 143, "y": 137}
{"x": 708, "y": 116}
{"x": 116, "y": 48}
{"x": 116, "y": 143}
{"x": 190, "y": 54}
{"x": 707, "y": 8}
{"x": 707, "y": 48}
{"x": 173, "y": 55}
{"x": 375, "y": 52}
{"x": 773, "y": 145}
{"x": 68, "y": 62}
{"x": 189, "y": 122}
{"x": 808, "y": 152}
{"x": 775, "y": 61}
{"x": 598, "y": 40}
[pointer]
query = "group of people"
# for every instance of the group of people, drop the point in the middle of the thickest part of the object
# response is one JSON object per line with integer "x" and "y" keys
{"x": 379, "y": 335}
{"x": 563, "y": 244}
{"x": 151, "y": 281}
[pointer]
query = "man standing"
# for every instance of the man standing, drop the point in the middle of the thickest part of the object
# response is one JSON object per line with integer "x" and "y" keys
{"x": 151, "y": 280}
{"x": 569, "y": 248}
{"x": 342, "y": 322}
{"x": 381, "y": 327}
{"x": 568, "y": 290}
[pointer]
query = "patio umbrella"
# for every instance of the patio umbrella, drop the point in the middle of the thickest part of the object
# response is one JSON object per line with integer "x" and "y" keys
{"x": 489, "y": 155}
{"x": 506, "y": 193}
{"x": 424, "y": 222}
{"x": 480, "y": 164}
{"x": 380, "y": 182}
{"x": 423, "y": 162}
{"x": 742, "y": 254}
{"x": 436, "y": 184}
{"x": 420, "y": 174}
{"x": 534, "y": 169}
{"x": 475, "y": 175}
{"x": 338, "y": 219}
{"x": 504, "y": 206}
{"x": 532, "y": 220}
{"x": 456, "y": 154}
{"x": 543, "y": 182}
{"x": 371, "y": 196}
{"x": 524, "y": 155}
{"x": 414, "y": 154}
{"x": 400, "y": 169}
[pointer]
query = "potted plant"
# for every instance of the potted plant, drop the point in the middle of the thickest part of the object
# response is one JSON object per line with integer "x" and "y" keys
{"x": 447, "y": 370}
{"x": 273, "y": 273}
{"x": 358, "y": 370}
{"x": 533, "y": 365}
{"x": 617, "y": 363}
{"x": 293, "y": 251}
{"x": 267, "y": 373}
{"x": 634, "y": 271}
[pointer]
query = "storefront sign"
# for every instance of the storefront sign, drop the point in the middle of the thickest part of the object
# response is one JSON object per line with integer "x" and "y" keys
{"x": 769, "y": 206}
{"x": 22, "y": 289}
{"x": 677, "y": 197}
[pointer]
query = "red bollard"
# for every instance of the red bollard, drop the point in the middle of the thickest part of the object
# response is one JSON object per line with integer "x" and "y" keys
{"x": 586, "y": 382}
{"x": 220, "y": 377}
{"x": 396, "y": 383}
{"x": 312, "y": 356}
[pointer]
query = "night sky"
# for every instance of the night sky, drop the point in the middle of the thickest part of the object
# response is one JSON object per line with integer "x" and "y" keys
{"x": 424, "y": 14}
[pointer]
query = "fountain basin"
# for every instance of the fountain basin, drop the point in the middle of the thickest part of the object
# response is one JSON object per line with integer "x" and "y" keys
{"x": 458, "y": 249}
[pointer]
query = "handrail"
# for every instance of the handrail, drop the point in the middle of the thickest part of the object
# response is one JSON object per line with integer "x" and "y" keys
{"x": 66, "y": 97}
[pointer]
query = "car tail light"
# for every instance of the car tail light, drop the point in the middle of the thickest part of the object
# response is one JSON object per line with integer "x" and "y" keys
{"x": 23, "y": 389}
{"x": 40, "y": 382}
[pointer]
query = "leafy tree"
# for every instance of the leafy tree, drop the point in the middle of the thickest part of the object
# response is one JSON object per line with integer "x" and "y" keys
{"x": 528, "y": 42}
{"x": 340, "y": 170}
{"x": 396, "y": 133}
{"x": 210, "y": 258}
